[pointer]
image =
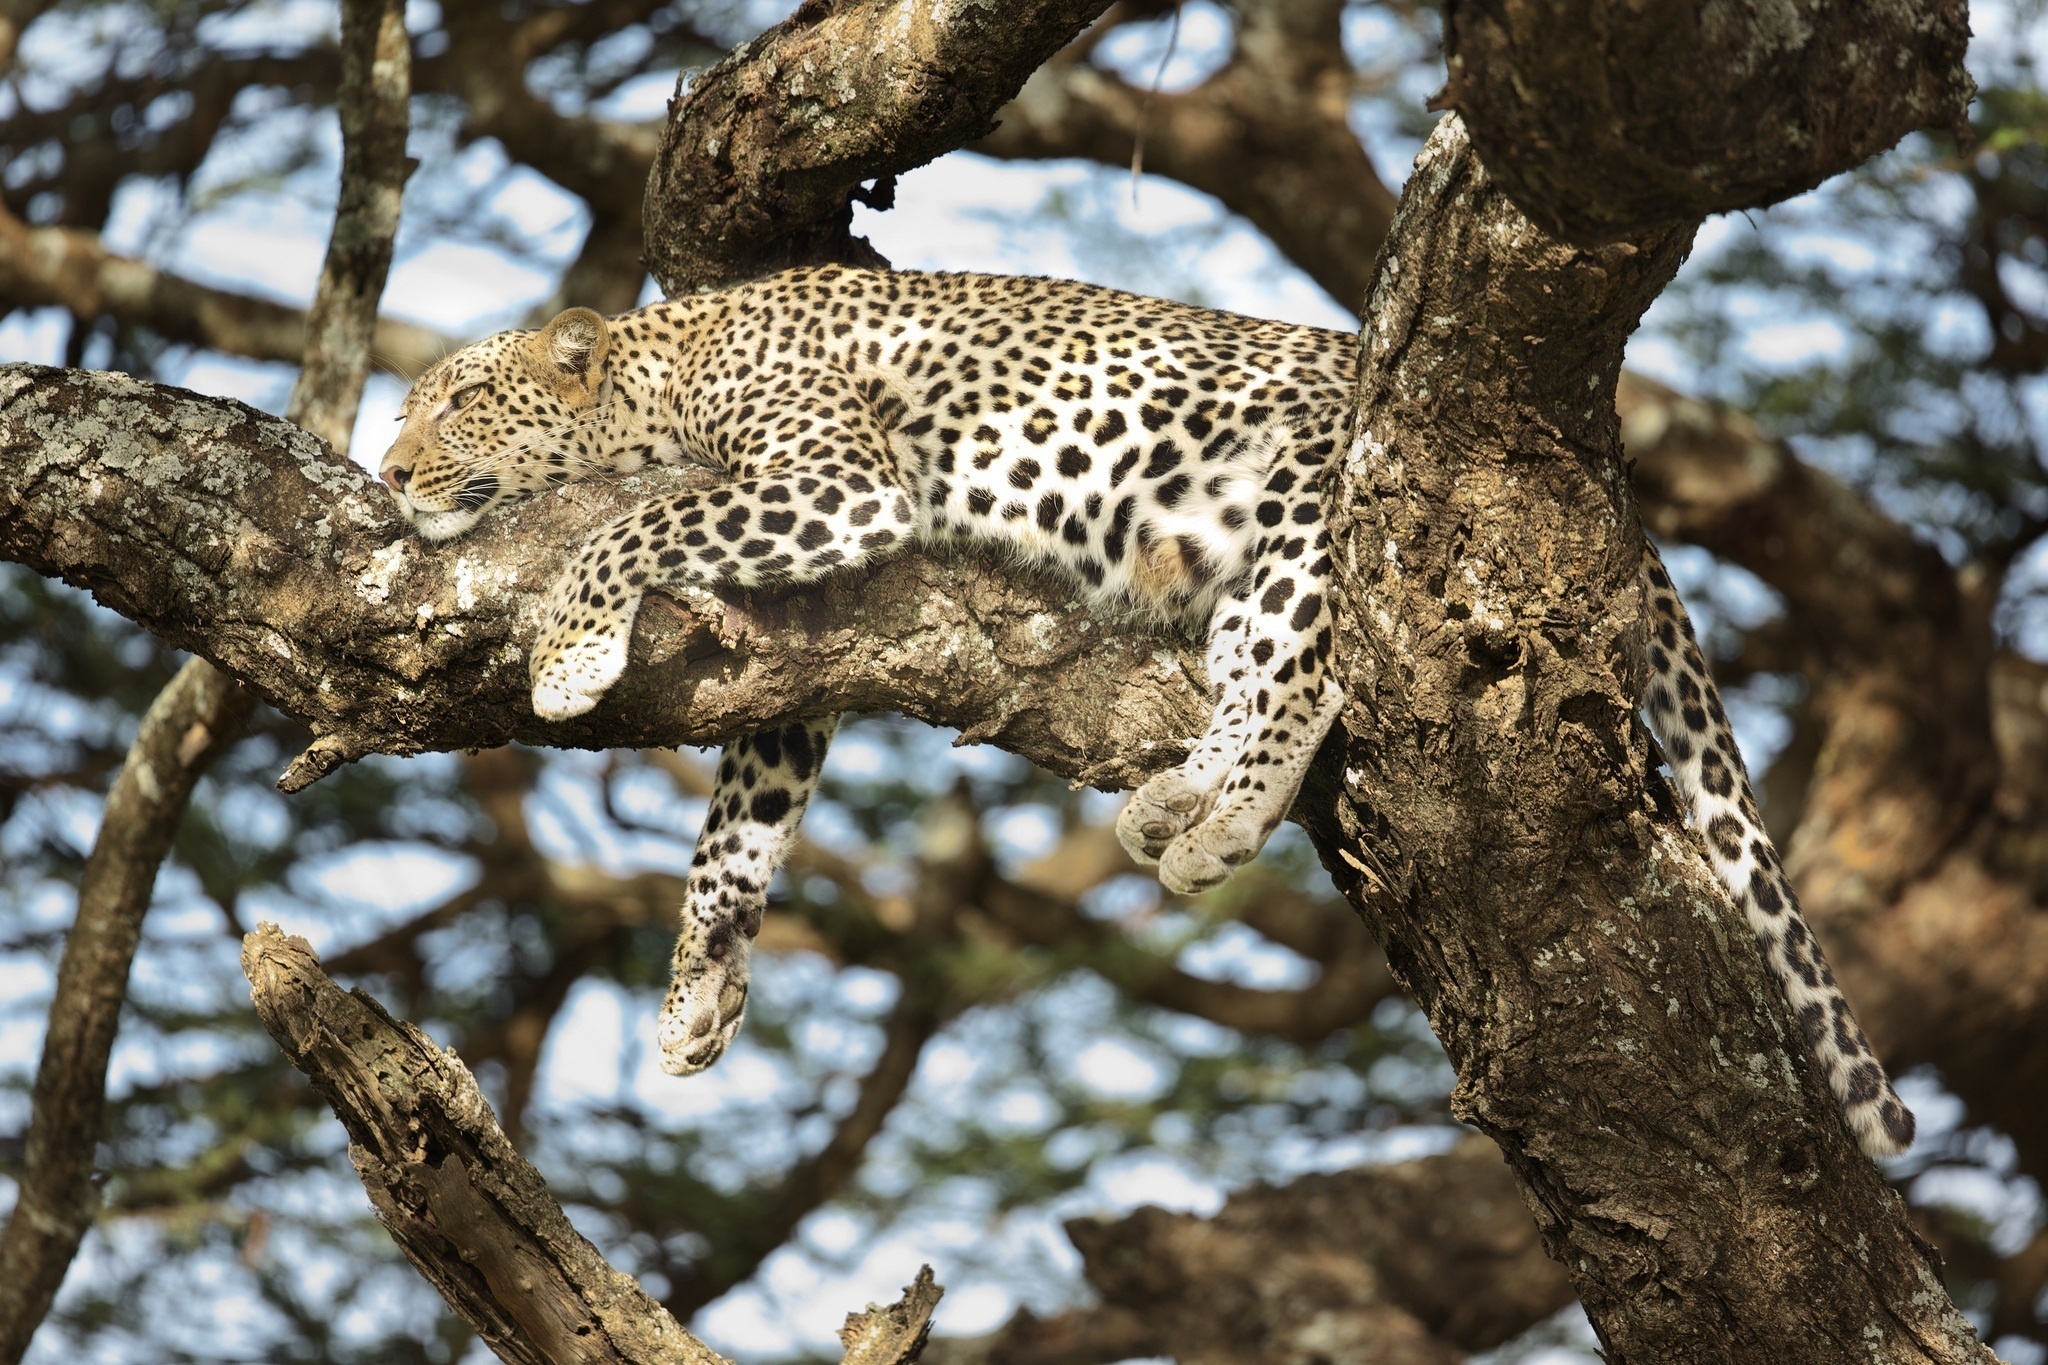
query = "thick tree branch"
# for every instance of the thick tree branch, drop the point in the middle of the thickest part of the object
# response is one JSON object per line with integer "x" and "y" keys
{"x": 239, "y": 537}
{"x": 759, "y": 161}
{"x": 1607, "y": 119}
{"x": 1494, "y": 824}
{"x": 185, "y": 729}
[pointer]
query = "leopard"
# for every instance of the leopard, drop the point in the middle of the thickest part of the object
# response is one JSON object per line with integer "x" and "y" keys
{"x": 1165, "y": 459}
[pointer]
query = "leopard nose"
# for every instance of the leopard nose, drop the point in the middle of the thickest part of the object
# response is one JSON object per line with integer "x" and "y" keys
{"x": 398, "y": 476}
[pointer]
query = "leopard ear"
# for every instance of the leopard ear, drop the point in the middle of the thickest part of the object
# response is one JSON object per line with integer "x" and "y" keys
{"x": 573, "y": 346}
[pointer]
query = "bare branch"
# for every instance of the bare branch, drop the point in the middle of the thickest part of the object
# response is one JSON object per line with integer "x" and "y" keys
{"x": 470, "y": 1213}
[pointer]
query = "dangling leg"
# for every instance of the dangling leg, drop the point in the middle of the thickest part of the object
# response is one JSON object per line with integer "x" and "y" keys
{"x": 764, "y": 783}
{"x": 1275, "y": 707}
{"x": 1163, "y": 808}
{"x": 1685, "y": 713}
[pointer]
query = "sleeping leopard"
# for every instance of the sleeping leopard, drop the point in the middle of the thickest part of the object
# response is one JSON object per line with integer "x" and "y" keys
{"x": 1166, "y": 458}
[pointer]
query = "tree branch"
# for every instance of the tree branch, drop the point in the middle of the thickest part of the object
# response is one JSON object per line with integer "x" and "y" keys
{"x": 759, "y": 161}
{"x": 239, "y": 537}
{"x": 471, "y": 1214}
{"x": 69, "y": 268}
{"x": 189, "y": 724}
{"x": 1268, "y": 135}
{"x": 1384, "y": 1265}
{"x": 1608, "y": 119}
{"x": 375, "y": 107}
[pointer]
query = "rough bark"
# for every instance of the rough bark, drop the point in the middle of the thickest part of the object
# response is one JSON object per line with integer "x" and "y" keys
{"x": 471, "y": 1214}
{"x": 760, "y": 161}
{"x": 1608, "y": 119}
{"x": 241, "y": 538}
{"x": 1612, "y": 1027}
{"x": 188, "y": 725}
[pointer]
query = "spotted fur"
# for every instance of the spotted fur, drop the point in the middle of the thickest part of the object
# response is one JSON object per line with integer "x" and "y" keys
{"x": 1168, "y": 459}
{"x": 1685, "y": 713}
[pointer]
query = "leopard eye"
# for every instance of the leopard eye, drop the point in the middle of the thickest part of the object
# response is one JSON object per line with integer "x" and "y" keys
{"x": 463, "y": 397}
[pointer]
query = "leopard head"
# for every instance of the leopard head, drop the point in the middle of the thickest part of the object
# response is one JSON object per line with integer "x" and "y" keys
{"x": 498, "y": 419}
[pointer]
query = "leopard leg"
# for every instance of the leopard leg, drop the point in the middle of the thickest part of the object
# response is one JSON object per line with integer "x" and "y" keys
{"x": 1169, "y": 803}
{"x": 764, "y": 783}
{"x": 787, "y": 526}
{"x": 1272, "y": 716}
{"x": 1685, "y": 713}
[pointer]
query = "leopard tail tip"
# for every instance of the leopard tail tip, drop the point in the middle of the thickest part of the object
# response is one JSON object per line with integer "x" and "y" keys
{"x": 1883, "y": 1127}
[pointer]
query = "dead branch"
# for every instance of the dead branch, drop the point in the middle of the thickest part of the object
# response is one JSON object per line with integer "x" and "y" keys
{"x": 471, "y": 1214}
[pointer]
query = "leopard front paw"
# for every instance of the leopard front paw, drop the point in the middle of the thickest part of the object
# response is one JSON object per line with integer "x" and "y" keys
{"x": 1160, "y": 812}
{"x": 570, "y": 676}
{"x": 1207, "y": 854}
{"x": 706, "y": 1002}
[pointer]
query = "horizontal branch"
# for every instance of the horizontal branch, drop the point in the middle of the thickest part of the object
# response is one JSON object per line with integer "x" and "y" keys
{"x": 244, "y": 540}
{"x": 1408, "y": 1264}
{"x": 70, "y": 268}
